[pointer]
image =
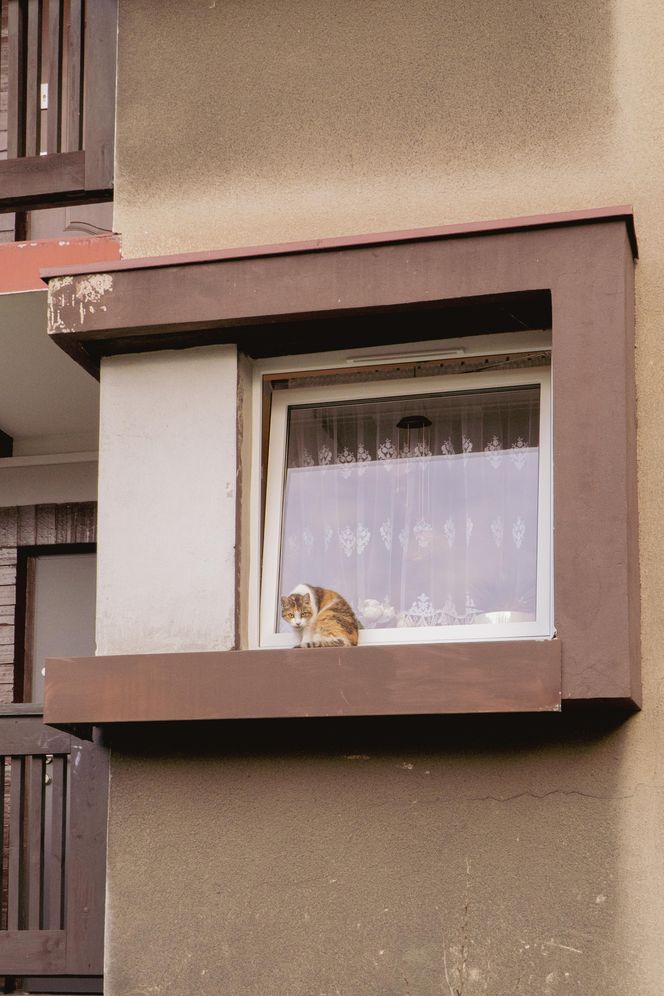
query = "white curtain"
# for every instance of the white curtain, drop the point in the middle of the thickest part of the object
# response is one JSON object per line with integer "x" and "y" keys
{"x": 432, "y": 523}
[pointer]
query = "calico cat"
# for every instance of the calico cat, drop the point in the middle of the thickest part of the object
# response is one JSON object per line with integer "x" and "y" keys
{"x": 320, "y": 617}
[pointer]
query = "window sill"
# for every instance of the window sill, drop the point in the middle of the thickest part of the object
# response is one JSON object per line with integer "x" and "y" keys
{"x": 407, "y": 679}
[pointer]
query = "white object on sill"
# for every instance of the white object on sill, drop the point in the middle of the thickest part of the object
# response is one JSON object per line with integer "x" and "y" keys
{"x": 43, "y": 103}
{"x": 503, "y": 617}
{"x": 403, "y": 357}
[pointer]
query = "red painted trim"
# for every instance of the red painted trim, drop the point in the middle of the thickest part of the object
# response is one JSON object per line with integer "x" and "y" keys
{"x": 622, "y": 212}
{"x": 21, "y": 262}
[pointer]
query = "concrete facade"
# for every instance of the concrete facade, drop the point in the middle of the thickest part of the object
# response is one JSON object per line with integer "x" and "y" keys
{"x": 452, "y": 856}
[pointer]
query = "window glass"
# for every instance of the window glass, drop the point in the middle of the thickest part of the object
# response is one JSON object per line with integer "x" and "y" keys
{"x": 64, "y": 611}
{"x": 422, "y": 510}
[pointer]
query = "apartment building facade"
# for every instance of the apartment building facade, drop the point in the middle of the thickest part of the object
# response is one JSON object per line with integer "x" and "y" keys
{"x": 376, "y": 310}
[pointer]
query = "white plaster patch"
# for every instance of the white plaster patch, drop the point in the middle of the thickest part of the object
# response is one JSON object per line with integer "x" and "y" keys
{"x": 57, "y": 283}
{"x": 90, "y": 290}
{"x": 94, "y": 287}
{"x": 57, "y": 299}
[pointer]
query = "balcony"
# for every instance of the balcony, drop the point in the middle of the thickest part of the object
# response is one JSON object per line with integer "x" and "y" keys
{"x": 57, "y": 107}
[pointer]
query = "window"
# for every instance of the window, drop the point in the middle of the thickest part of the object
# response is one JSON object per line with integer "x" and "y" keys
{"x": 426, "y": 502}
{"x": 56, "y": 610}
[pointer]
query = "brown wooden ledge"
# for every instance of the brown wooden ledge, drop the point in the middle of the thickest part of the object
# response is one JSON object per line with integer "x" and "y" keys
{"x": 413, "y": 679}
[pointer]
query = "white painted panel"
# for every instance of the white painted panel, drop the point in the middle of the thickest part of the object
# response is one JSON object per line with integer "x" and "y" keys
{"x": 166, "y": 532}
{"x": 64, "y": 611}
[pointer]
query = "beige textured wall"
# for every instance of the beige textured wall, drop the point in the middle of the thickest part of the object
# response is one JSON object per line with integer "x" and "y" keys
{"x": 508, "y": 859}
{"x": 252, "y": 121}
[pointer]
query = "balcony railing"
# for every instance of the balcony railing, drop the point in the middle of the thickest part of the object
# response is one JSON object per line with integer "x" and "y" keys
{"x": 53, "y": 804}
{"x": 57, "y": 78}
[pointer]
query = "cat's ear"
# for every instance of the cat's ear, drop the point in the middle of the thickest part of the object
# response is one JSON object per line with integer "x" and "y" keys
{"x": 306, "y": 598}
{"x": 284, "y": 601}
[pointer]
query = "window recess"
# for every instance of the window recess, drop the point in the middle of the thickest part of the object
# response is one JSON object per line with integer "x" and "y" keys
{"x": 426, "y": 503}
{"x": 572, "y": 273}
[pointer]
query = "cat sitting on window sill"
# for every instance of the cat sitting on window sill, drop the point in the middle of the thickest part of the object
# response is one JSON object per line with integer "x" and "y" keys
{"x": 320, "y": 617}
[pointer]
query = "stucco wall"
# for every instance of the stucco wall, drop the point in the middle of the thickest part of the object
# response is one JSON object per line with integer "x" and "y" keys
{"x": 166, "y": 519}
{"x": 520, "y": 857}
{"x": 273, "y": 121}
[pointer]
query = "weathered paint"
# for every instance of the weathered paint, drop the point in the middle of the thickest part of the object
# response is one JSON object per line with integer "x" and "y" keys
{"x": 21, "y": 262}
{"x": 71, "y": 300}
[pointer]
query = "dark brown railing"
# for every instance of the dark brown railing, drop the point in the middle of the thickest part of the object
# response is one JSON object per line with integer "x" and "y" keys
{"x": 45, "y": 65}
{"x": 57, "y": 68}
{"x": 52, "y": 831}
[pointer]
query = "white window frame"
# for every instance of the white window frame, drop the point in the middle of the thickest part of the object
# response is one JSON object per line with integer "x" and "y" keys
{"x": 261, "y": 624}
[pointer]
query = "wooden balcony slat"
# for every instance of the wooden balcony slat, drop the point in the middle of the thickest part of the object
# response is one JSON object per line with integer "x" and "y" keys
{"x": 16, "y": 74}
{"x": 35, "y": 840}
{"x": 16, "y": 812}
{"x": 54, "y": 857}
{"x": 53, "y": 127}
{"x": 2, "y": 836}
{"x": 85, "y": 877}
{"x": 73, "y": 110}
{"x": 100, "y": 71}
{"x": 33, "y": 79}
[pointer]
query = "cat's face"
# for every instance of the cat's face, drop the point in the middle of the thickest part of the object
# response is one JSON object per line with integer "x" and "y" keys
{"x": 297, "y": 610}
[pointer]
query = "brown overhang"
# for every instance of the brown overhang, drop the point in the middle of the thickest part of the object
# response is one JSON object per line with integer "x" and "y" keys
{"x": 623, "y": 212}
{"x": 574, "y": 272}
{"x": 255, "y": 296}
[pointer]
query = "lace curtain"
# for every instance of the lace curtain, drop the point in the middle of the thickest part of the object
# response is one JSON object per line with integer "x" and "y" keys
{"x": 421, "y": 511}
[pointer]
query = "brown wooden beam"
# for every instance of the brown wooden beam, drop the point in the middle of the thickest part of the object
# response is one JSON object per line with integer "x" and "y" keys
{"x": 46, "y": 181}
{"x": 25, "y": 733}
{"x": 43, "y": 950}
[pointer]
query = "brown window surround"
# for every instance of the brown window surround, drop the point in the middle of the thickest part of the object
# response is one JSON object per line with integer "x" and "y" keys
{"x": 25, "y": 609}
{"x": 27, "y": 531}
{"x": 576, "y": 268}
